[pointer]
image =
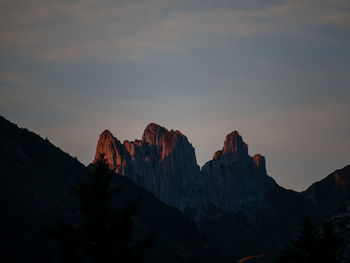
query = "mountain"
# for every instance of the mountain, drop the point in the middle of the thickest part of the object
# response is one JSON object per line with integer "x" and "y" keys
{"x": 235, "y": 179}
{"x": 253, "y": 205}
{"x": 163, "y": 162}
{"x": 332, "y": 196}
{"x": 237, "y": 206}
{"x": 332, "y": 192}
{"x": 36, "y": 184}
{"x": 228, "y": 210}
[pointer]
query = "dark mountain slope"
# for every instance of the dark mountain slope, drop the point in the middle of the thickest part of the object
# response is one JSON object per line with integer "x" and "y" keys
{"x": 34, "y": 186}
{"x": 332, "y": 192}
{"x": 332, "y": 197}
{"x": 235, "y": 235}
{"x": 178, "y": 239}
{"x": 36, "y": 183}
{"x": 239, "y": 208}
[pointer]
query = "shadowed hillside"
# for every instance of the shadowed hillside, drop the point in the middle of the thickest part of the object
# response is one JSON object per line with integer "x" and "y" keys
{"x": 234, "y": 210}
{"x": 36, "y": 184}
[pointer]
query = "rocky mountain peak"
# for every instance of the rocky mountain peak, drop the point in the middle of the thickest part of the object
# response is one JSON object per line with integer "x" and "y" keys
{"x": 163, "y": 162}
{"x": 110, "y": 148}
{"x": 259, "y": 160}
{"x": 106, "y": 135}
{"x": 234, "y": 144}
{"x": 156, "y": 135}
{"x": 153, "y": 134}
{"x": 234, "y": 179}
{"x": 104, "y": 143}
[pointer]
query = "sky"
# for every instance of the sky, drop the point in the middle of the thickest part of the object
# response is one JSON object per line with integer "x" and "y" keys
{"x": 278, "y": 72}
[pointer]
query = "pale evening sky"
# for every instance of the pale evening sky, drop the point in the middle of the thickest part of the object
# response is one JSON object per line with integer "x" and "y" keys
{"x": 276, "y": 71}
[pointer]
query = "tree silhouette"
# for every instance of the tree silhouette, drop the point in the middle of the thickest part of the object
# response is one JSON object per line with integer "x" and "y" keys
{"x": 312, "y": 246}
{"x": 102, "y": 234}
{"x": 305, "y": 245}
{"x": 329, "y": 246}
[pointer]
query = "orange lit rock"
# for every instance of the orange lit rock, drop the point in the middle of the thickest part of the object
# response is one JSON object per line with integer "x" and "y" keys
{"x": 164, "y": 162}
{"x": 259, "y": 160}
{"x": 234, "y": 144}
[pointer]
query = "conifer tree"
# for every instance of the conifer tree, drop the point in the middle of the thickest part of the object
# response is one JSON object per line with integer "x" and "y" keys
{"x": 329, "y": 245}
{"x": 313, "y": 246}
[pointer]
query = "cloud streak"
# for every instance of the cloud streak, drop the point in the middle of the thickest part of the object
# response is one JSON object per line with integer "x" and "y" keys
{"x": 277, "y": 71}
{"x": 67, "y": 31}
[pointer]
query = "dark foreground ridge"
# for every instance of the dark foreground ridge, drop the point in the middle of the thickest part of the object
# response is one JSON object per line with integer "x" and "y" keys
{"x": 36, "y": 185}
{"x": 226, "y": 211}
{"x": 239, "y": 208}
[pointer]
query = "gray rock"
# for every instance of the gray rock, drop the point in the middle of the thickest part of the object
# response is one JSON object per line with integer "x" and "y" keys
{"x": 235, "y": 179}
{"x": 164, "y": 163}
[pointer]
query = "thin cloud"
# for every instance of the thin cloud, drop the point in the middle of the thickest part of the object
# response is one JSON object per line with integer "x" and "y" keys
{"x": 277, "y": 71}
{"x": 64, "y": 31}
{"x": 13, "y": 78}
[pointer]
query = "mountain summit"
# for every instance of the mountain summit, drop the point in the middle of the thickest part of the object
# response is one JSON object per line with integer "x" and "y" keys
{"x": 157, "y": 135}
{"x": 234, "y": 178}
{"x": 231, "y": 193}
{"x": 236, "y": 206}
{"x": 232, "y": 185}
{"x": 163, "y": 162}
{"x": 234, "y": 144}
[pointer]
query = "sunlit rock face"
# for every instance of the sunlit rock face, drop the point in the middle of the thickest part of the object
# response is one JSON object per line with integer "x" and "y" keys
{"x": 114, "y": 152}
{"x": 235, "y": 179}
{"x": 163, "y": 162}
{"x": 231, "y": 198}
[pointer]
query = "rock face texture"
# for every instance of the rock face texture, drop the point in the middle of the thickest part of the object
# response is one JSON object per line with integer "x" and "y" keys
{"x": 230, "y": 197}
{"x": 163, "y": 162}
{"x": 332, "y": 192}
{"x": 235, "y": 179}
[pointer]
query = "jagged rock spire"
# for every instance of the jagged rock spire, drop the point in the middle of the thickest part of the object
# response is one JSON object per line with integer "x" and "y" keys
{"x": 164, "y": 162}
{"x": 234, "y": 143}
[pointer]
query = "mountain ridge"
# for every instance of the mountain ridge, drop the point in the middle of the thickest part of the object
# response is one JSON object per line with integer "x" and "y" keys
{"x": 171, "y": 156}
{"x": 163, "y": 162}
{"x": 37, "y": 183}
{"x": 231, "y": 227}
{"x": 232, "y": 193}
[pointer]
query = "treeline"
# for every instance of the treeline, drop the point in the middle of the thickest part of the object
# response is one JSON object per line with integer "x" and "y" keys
{"x": 313, "y": 245}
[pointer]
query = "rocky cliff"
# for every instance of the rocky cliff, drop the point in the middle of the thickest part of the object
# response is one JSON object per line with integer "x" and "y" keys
{"x": 37, "y": 184}
{"x": 230, "y": 197}
{"x": 163, "y": 162}
{"x": 235, "y": 179}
